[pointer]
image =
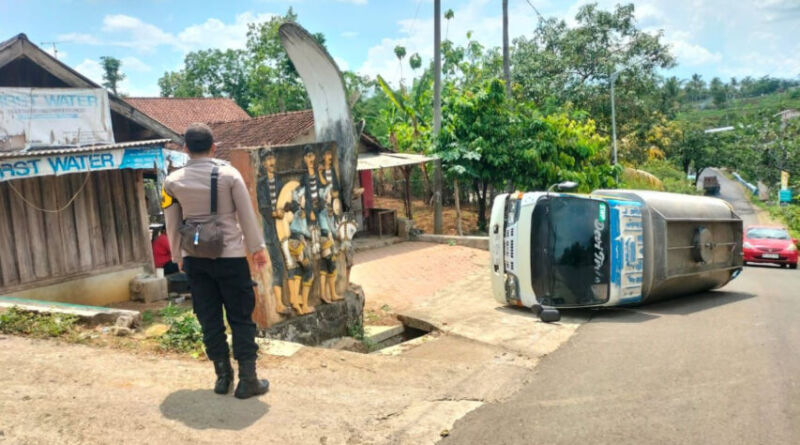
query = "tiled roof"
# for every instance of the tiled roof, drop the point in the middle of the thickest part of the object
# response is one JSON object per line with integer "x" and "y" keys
{"x": 177, "y": 113}
{"x": 272, "y": 129}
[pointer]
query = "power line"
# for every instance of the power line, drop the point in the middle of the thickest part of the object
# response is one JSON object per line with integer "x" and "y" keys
{"x": 535, "y": 10}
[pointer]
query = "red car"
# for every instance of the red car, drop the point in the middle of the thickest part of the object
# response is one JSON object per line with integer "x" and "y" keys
{"x": 769, "y": 244}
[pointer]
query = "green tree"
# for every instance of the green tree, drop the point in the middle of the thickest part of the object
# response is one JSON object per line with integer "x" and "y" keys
{"x": 564, "y": 65}
{"x": 260, "y": 78}
{"x": 696, "y": 88}
{"x": 211, "y": 72}
{"x": 488, "y": 139}
{"x": 112, "y": 76}
{"x": 719, "y": 92}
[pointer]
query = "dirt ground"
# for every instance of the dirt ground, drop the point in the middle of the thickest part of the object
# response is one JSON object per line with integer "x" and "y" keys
{"x": 54, "y": 392}
{"x": 423, "y": 215}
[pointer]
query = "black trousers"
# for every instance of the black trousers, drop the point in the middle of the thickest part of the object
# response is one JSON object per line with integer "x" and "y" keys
{"x": 218, "y": 283}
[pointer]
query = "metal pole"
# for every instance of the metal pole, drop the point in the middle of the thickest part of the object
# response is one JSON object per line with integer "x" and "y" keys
{"x": 613, "y": 122}
{"x": 437, "y": 112}
{"x": 506, "y": 61}
{"x": 437, "y": 67}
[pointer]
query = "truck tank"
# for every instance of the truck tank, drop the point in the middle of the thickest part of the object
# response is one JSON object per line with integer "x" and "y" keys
{"x": 691, "y": 243}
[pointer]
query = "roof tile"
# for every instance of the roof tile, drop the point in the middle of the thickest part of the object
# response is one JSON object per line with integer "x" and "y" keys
{"x": 272, "y": 129}
{"x": 177, "y": 113}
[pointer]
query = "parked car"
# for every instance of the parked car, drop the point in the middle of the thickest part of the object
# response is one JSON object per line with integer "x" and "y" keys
{"x": 769, "y": 244}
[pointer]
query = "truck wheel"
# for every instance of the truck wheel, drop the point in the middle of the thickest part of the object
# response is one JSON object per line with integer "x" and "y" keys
{"x": 793, "y": 266}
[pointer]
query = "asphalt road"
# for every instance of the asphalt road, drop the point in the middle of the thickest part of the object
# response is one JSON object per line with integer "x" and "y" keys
{"x": 721, "y": 367}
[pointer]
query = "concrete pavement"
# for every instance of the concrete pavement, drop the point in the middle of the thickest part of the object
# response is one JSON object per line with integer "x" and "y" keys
{"x": 720, "y": 367}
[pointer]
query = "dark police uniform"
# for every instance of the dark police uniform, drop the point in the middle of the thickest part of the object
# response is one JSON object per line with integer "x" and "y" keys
{"x": 224, "y": 281}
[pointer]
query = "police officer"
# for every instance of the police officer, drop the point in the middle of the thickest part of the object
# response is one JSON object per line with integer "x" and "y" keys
{"x": 223, "y": 281}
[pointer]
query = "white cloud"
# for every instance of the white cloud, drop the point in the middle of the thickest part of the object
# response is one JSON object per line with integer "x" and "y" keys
{"x": 140, "y": 35}
{"x": 57, "y": 53}
{"x": 91, "y": 69}
{"x": 349, "y": 34}
{"x": 688, "y": 53}
{"x": 131, "y": 32}
{"x": 130, "y": 63}
{"x": 341, "y": 63}
{"x": 482, "y": 17}
{"x": 125, "y": 88}
{"x": 214, "y": 33}
{"x": 79, "y": 38}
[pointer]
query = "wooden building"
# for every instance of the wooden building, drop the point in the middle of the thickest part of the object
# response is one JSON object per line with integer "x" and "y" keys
{"x": 76, "y": 231}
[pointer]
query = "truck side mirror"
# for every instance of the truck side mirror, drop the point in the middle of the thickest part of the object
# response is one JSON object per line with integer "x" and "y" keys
{"x": 794, "y": 240}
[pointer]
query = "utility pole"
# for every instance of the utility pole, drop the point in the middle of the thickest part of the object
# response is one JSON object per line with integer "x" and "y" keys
{"x": 437, "y": 112}
{"x": 506, "y": 62}
{"x": 613, "y": 120}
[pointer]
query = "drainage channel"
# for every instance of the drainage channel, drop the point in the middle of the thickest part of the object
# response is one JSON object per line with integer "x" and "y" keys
{"x": 389, "y": 340}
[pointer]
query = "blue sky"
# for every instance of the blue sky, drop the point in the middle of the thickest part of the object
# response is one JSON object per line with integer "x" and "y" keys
{"x": 712, "y": 37}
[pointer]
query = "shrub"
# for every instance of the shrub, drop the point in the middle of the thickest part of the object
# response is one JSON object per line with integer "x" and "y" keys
{"x": 184, "y": 335}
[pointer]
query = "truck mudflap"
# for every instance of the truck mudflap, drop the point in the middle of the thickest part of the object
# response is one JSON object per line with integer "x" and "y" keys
{"x": 627, "y": 252}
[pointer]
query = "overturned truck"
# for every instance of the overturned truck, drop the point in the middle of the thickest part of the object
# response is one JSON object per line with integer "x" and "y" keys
{"x": 610, "y": 248}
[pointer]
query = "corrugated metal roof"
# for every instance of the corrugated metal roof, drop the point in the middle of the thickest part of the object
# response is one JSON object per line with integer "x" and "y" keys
{"x": 88, "y": 149}
{"x": 373, "y": 161}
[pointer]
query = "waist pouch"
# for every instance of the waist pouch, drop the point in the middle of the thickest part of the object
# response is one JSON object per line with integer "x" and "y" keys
{"x": 202, "y": 236}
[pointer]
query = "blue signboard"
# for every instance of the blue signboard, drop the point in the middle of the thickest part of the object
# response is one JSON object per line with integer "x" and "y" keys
{"x": 145, "y": 158}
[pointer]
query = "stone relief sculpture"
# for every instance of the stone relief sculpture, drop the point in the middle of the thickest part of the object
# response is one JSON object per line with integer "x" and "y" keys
{"x": 268, "y": 189}
{"x": 304, "y": 226}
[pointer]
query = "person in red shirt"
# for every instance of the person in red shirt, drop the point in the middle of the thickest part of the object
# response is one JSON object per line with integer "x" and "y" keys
{"x": 162, "y": 255}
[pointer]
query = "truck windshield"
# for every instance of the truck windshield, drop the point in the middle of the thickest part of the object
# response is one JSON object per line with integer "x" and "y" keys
{"x": 570, "y": 251}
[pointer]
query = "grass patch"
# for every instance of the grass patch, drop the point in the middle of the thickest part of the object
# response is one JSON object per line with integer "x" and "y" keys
{"x": 184, "y": 335}
{"x": 173, "y": 311}
{"x": 788, "y": 215}
{"x": 37, "y": 325}
{"x": 672, "y": 179}
{"x": 148, "y": 317}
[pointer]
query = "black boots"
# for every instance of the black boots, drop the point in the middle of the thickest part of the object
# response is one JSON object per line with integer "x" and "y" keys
{"x": 249, "y": 384}
{"x": 224, "y": 376}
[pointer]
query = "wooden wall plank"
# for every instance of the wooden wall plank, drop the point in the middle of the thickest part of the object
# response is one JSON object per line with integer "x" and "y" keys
{"x": 52, "y": 225}
{"x": 81, "y": 220}
{"x": 8, "y": 266}
{"x": 95, "y": 228}
{"x": 144, "y": 218}
{"x": 138, "y": 244}
{"x": 121, "y": 216}
{"x": 19, "y": 227}
{"x": 107, "y": 220}
{"x": 38, "y": 237}
{"x": 66, "y": 221}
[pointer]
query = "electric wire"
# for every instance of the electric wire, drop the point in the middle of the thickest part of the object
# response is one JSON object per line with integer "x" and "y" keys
{"x": 69, "y": 203}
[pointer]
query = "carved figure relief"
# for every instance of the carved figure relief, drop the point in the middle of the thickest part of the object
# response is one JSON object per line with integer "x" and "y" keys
{"x": 304, "y": 226}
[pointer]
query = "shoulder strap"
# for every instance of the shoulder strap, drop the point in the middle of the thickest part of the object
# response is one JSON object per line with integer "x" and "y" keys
{"x": 214, "y": 177}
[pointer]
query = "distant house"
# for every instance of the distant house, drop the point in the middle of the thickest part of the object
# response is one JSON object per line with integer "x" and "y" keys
{"x": 177, "y": 113}
{"x": 73, "y": 223}
{"x": 297, "y": 127}
{"x": 785, "y": 115}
